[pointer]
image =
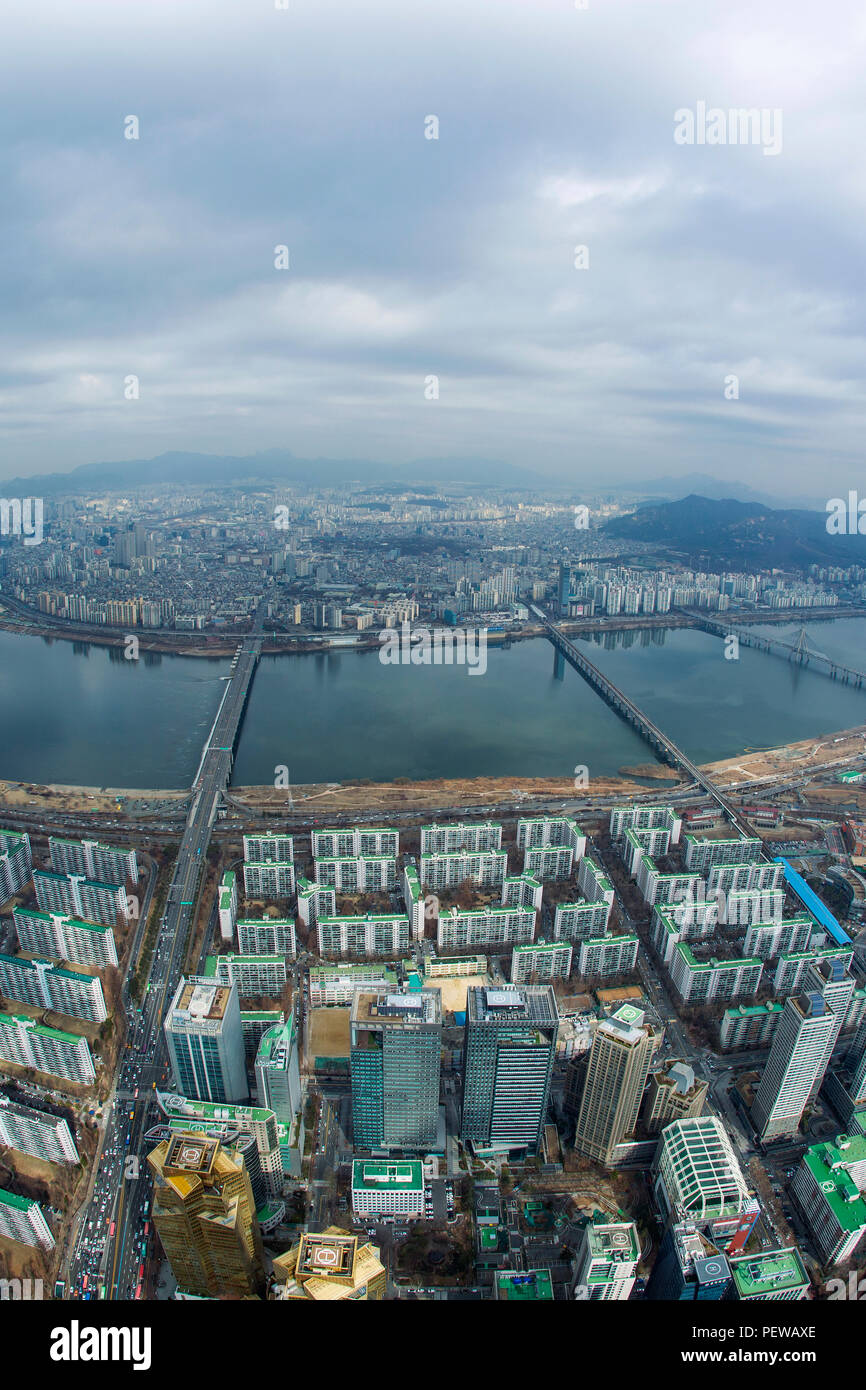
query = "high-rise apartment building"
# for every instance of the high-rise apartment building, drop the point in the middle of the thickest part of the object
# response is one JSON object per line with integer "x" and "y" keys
{"x": 65, "y": 938}
{"x": 205, "y": 1040}
{"x": 616, "y": 1073}
{"x": 396, "y": 1046}
{"x": 508, "y": 1051}
{"x": 36, "y": 1132}
{"x": 205, "y": 1217}
{"x": 50, "y": 1050}
{"x": 795, "y": 1066}
{"x": 90, "y": 859}
{"x": 16, "y": 863}
{"x": 47, "y": 985}
{"x": 23, "y": 1220}
{"x": 83, "y": 897}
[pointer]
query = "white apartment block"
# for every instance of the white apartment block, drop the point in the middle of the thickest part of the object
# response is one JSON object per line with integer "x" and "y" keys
{"x": 315, "y": 901}
{"x": 269, "y": 936}
{"x": 64, "y": 938}
{"x": 540, "y": 962}
{"x": 522, "y": 891}
{"x": 656, "y": 887}
{"x": 580, "y": 921}
{"x": 46, "y": 985}
{"x": 82, "y": 897}
{"x": 269, "y": 849}
{"x": 253, "y": 974}
{"x": 551, "y": 864}
{"x": 543, "y": 832}
{"x": 701, "y": 981}
{"x": 269, "y": 880}
{"x": 742, "y": 906}
{"x": 335, "y": 986}
{"x": 486, "y": 869}
{"x": 635, "y": 843}
{"x": 31, "y": 1044}
{"x": 357, "y": 875}
{"x": 483, "y": 926}
{"x": 703, "y": 854}
{"x": 36, "y": 1132}
{"x": 462, "y": 837}
{"x": 766, "y": 939}
{"x": 90, "y": 859}
{"x": 413, "y": 901}
{"x": 23, "y": 1220}
{"x": 228, "y": 905}
{"x": 385, "y": 934}
{"x": 623, "y": 818}
{"x": 374, "y": 842}
{"x": 16, "y": 863}
{"x": 790, "y": 972}
{"x": 593, "y": 883}
{"x": 606, "y": 956}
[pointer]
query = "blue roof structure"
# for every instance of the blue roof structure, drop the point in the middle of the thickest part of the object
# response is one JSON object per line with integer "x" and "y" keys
{"x": 813, "y": 903}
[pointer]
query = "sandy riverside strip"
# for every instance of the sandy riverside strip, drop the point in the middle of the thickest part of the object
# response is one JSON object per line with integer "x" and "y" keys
{"x": 846, "y": 748}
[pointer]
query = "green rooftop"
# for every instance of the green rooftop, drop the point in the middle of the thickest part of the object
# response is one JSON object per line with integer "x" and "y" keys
{"x": 11, "y": 1199}
{"x": 387, "y": 1177}
{"x": 525, "y": 1288}
{"x": 829, "y": 1165}
{"x": 769, "y": 1272}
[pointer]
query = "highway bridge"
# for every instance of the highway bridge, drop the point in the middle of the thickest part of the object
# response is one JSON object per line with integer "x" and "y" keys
{"x": 799, "y": 652}
{"x": 123, "y": 1175}
{"x": 663, "y": 746}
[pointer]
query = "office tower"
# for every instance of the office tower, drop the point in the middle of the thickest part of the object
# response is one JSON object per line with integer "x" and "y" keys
{"x": 829, "y": 1187}
{"x": 796, "y": 1064}
{"x": 673, "y": 1094}
{"x": 697, "y": 1176}
{"x": 205, "y": 1040}
{"x": 508, "y": 1051}
{"x": 278, "y": 1077}
{"x": 564, "y": 589}
{"x": 396, "y": 1044}
{"x": 22, "y": 1220}
{"x": 36, "y": 1132}
{"x": 205, "y": 1116}
{"x": 607, "y": 1259}
{"x": 616, "y": 1073}
{"x": 330, "y": 1267}
{"x": 205, "y": 1216}
{"x": 689, "y": 1268}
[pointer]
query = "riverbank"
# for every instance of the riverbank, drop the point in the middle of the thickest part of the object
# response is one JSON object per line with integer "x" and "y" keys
{"x": 791, "y": 763}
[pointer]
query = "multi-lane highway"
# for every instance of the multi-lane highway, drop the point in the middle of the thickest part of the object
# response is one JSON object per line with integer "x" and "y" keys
{"x": 111, "y": 1238}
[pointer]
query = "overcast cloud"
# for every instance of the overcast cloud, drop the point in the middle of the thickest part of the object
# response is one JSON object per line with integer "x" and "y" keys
{"x": 412, "y": 257}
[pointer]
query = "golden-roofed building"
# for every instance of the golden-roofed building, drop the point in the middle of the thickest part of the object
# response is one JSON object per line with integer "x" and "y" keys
{"x": 205, "y": 1215}
{"x": 329, "y": 1265}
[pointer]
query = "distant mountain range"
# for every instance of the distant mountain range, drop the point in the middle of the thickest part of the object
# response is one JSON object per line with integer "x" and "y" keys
{"x": 269, "y": 469}
{"x": 275, "y": 466}
{"x": 741, "y": 534}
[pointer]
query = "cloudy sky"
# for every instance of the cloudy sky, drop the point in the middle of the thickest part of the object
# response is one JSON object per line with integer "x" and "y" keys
{"x": 455, "y": 258}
